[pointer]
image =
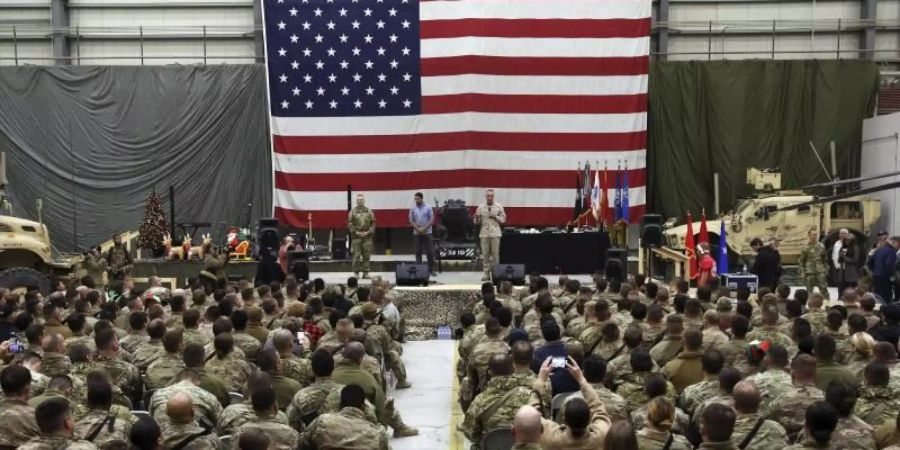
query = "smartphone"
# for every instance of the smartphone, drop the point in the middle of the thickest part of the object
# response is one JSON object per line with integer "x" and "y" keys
{"x": 558, "y": 362}
{"x": 16, "y": 347}
{"x": 301, "y": 336}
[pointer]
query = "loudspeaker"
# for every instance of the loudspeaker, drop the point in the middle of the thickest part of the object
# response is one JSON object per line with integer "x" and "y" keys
{"x": 411, "y": 274}
{"x": 514, "y": 273}
{"x": 267, "y": 235}
{"x": 616, "y": 264}
{"x": 339, "y": 249}
{"x": 298, "y": 264}
{"x": 651, "y": 231}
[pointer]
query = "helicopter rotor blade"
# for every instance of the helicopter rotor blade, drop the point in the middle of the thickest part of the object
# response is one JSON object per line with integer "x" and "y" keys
{"x": 882, "y": 187}
{"x": 850, "y": 180}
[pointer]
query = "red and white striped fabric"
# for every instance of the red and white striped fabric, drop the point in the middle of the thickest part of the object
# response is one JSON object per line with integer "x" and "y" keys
{"x": 515, "y": 93}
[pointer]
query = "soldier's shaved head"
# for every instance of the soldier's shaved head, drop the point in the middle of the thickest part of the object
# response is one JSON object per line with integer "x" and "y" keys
{"x": 358, "y": 335}
{"x": 746, "y": 397}
{"x": 54, "y": 343}
{"x": 500, "y": 364}
{"x": 354, "y": 351}
{"x": 180, "y": 408}
{"x": 522, "y": 353}
{"x": 527, "y": 427}
{"x": 343, "y": 328}
{"x": 283, "y": 341}
{"x": 803, "y": 368}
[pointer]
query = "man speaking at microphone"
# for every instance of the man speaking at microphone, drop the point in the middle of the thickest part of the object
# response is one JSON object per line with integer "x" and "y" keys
{"x": 491, "y": 216}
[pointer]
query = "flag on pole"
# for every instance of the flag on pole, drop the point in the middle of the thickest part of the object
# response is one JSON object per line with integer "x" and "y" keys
{"x": 578, "y": 200}
{"x": 618, "y": 201}
{"x": 689, "y": 248}
{"x": 704, "y": 233}
{"x": 586, "y": 187}
{"x": 625, "y": 204}
{"x": 596, "y": 205}
{"x": 605, "y": 211}
{"x": 723, "y": 249}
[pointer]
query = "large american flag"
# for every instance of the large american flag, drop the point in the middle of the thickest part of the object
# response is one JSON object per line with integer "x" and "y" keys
{"x": 391, "y": 97}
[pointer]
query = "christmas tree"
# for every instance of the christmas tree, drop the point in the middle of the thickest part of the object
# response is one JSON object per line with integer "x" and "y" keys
{"x": 154, "y": 226}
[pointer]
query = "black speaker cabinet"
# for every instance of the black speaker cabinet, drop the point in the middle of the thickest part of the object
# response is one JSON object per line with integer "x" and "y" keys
{"x": 298, "y": 264}
{"x": 514, "y": 273}
{"x": 339, "y": 249}
{"x": 616, "y": 264}
{"x": 411, "y": 274}
{"x": 651, "y": 231}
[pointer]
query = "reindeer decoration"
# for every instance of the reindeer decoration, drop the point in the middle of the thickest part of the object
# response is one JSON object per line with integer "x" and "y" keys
{"x": 177, "y": 253}
{"x": 199, "y": 250}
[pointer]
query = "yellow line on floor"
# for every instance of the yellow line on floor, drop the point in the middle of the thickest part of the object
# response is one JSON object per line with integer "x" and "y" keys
{"x": 457, "y": 439}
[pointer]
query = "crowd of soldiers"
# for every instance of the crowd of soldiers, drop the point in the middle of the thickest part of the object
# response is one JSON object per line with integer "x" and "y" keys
{"x": 293, "y": 366}
{"x": 641, "y": 365}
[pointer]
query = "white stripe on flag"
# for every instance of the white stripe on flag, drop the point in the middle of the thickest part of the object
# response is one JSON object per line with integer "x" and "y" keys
{"x": 453, "y": 160}
{"x": 457, "y": 122}
{"x": 534, "y": 9}
{"x": 519, "y": 197}
{"x": 534, "y": 85}
{"x": 535, "y": 47}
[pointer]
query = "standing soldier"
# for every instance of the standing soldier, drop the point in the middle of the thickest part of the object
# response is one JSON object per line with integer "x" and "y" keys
{"x": 118, "y": 261}
{"x": 361, "y": 221}
{"x": 491, "y": 216}
{"x": 812, "y": 265}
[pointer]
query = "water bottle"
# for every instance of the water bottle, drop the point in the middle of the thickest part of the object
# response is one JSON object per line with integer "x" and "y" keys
{"x": 744, "y": 269}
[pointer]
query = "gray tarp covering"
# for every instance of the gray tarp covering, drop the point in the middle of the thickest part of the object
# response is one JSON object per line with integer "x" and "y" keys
{"x": 93, "y": 141}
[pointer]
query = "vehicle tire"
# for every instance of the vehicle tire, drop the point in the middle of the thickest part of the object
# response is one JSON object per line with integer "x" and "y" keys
{"x": 23, "y": 277}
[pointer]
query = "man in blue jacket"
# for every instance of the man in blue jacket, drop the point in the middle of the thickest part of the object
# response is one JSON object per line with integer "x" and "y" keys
{"x": 882, "y": 266}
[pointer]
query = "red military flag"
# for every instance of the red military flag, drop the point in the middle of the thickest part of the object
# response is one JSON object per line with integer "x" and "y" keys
{"x": 704, "y": 234}
{"x": 689, "y": 250}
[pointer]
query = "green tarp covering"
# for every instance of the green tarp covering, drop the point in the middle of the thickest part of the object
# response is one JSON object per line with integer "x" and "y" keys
{"x": 721, "y": 117}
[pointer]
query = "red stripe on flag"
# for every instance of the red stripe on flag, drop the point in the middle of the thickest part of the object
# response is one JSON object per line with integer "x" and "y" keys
{"x": 396, "y": 218}
{"x": 540, "y": 104}
{"x": 465, "y": 140}
{"x": 535, "y": 28}
{"x": 504, "y": 65}
{"x": 437, "y": 179}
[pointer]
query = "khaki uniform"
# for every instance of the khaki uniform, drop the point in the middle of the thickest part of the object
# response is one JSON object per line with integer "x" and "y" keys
{"x": 174, "y": 434}
{"x": 53, "y": 326}
{"x": 56, "y": 443}
{"x": 361, "y": 220}
{"x": 17, "y": 423}
{"x": 205, "y": 404}
{"x": 790, "y": 409}
{"x": 112, "y": 427}
{"x": 344, "y": 430}
{"x": 280, "y": 435}
{"x": 164, "y": 369}
{"x": 773, "y": 384}
{"x": 497, "y": 405}
{"x": 491, "y": 219}
{"x": 232, "y": 371}
{"x": 813, "y": 269}
{"x": 285, "y": 389}
{"x": 240, "y": 413}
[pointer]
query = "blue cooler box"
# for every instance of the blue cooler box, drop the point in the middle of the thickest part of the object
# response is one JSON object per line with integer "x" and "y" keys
{"x": 736, "y": 280}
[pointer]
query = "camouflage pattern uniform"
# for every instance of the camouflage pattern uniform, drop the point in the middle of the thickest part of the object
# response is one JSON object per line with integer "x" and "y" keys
{"x": 851, "y": 433}
{"x": 39, "y": 383}
{"x": 173, "y": 434}
{"x": 234, "y": 372}
{"x": 666, "y": 350}
{"x": 876, "y": 404}
{"x": 770, "y": 435}
{"x": 123, "y": 374}
{"x": 309, "y": 401}
{"x": 297, "y": 369}
{"x": 817, "y": 318}
{"x": 651, "y": 439}
{"x": 735, "y": 353}
{"x": 81, "y": 338}
{"x": 774, "y": 336}
{"x": 194, "y": 336}
{"x": 476, "y": 368}
{"x": 632, "y": 390}
{"x": 721, "y": 399}
{"x": 347, "y": 429}
{"x": 361, "y": 220}
{"x": 164, "y": 369}
{"x": 247, "y": 344}
{"x": 502, "y": 397}
{"x": 205, "y": 404}
{"x": 813, "y": 269}
{"x": 714, "y": 338}
{"x": 17, "y": 423}
{"x": 621, "y": 366}
{"x": 615, "y": 404}
{"x": 773, "y": 385}
{"x": 238, "y": 414}
{"x": 56, "y": 364}
{"x": 696, "y": 394}
{"x": 134, "y": 341}
{"x": 147, "y": 353}
{"x": 790, "y": 409}
{"x": 114, "y": 425}
{"x": 681, "y": 424}
{"x": 280, "y": 435}
{"x": 56, "y": 443}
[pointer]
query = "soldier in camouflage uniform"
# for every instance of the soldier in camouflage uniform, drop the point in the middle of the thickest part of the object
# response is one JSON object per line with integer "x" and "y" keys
{"x": 633, "y": 390}
{"x": 204, "y": 403}
{"x": 347, "y": 428}
{"x": 57, "y": 426}
{"x": 39, "y": 381}
{"x": 225, "y": 365}
{"x": 137, "y": 336}
{"x": 380, "y": 335}
{"x": 769, "y": 331}
{"x": 361, "y": 222}
{"x": 76, "y": 323}
{"x": 55, "y": 360}
{"x": 812, "y": 265}
{"x": 816, "y": 316}
{"x": 17, "y": 423}
{"x": 237, "y": 414}
{"x": 769, "y": 435}
{"x": 775, "y": 382}
{"x": 247, "y": 343}
{"x": 123, "y": 374}
{"x": 670, "y": 346}
{"x": 60, "y": 387}
{"x": 106, "y": 425}
{"x": 180, "y": 425}
{"x": 497, "y": 404}
{"x": 161, "y": 372}
{"x": 789, "y": 409}
{"x": 151, "y": 350}
{"x": 595, "y": 370}
{"x": 696, "y": 394}
{"x": 266, "y": 422}
{"x": 308, "y": 402}
{"x": 476, "y": 364}
{"x": 851, "y": 432}
{"x": 118, "y": 260}
{"x": 877, "y": 403}
{"x": 291, "y": 366}
{"x": 369, "y": 363}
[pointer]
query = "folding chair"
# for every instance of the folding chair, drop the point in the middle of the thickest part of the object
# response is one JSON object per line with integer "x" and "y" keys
{"x": 557, "y": 402}
{"x": 497, "y": 439}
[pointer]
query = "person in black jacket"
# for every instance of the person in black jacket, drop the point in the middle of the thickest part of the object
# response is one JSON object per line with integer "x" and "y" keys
{"x": 890, "y": 330}
{"x": 767, "y": 265}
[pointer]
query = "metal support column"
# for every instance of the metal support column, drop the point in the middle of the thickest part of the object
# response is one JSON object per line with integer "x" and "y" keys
{"x": 59, "y": 22}
{"x": 662, "y": 37}
{"x": 867, "y": 14}
{"x": 259, "y": 44}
